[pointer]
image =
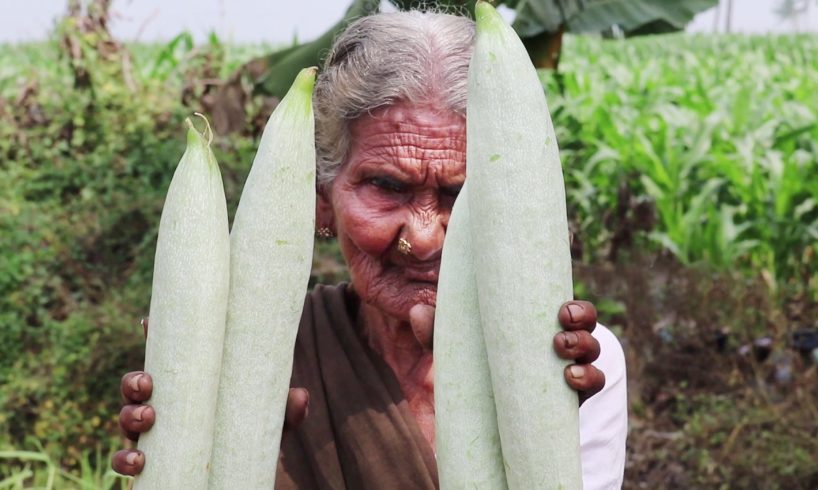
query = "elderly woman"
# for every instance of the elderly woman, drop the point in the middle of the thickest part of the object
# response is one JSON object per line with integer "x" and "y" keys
{"x": 391, "y": 143}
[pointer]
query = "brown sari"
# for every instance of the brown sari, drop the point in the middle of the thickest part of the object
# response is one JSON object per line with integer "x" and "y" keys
{"x": 360, "y": 433}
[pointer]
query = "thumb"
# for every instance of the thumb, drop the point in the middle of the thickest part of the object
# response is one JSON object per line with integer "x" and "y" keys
{"x": 422, "y": 319}
{"x": 298, "y": 405}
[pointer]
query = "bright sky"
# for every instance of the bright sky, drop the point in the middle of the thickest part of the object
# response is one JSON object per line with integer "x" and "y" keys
{"x": 263, "y": 21}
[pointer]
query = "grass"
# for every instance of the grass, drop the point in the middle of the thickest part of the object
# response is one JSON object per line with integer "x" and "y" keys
{"x": 36, "y": 470}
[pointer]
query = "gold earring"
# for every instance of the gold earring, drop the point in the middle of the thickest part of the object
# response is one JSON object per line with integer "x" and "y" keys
{"x": 404, "y": 246}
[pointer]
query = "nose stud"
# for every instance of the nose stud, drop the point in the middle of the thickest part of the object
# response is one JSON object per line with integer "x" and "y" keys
{"x": 404, "y": 246}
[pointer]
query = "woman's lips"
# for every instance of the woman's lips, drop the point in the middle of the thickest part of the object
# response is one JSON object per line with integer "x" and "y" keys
{"x": 423, "y": 273}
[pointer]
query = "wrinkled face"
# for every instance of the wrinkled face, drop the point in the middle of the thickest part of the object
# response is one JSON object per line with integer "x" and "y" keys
{"x": 405, "y": 167}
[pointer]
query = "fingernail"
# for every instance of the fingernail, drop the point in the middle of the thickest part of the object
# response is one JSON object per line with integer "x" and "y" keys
{"x": 577, "y": 371}
{"x": 570, "y": 339}
{"x": 138, "y": 411}
{"x": 142, "y": 322}
{"x": 131, "y": 457}
{"x": 575, "y": 311}
{"x": 134, "y": 382}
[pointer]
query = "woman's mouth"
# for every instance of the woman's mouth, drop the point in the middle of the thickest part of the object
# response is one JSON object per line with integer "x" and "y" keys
{"x": 422, "y": 272}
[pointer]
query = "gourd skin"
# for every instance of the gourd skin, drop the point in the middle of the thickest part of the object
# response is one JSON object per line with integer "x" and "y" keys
{"x": 187, "y": 313}
{"x": 466, "y": 436}
{"x": 271, "y": 256}
{"x": 522, "y": 259}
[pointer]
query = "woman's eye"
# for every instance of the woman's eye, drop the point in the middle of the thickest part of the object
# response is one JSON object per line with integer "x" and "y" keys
{"x": 388, "y": 184}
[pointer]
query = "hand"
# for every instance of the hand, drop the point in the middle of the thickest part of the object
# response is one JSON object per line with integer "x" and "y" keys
{"x": 578, "y": 319}
{"x": 136, "y": 416}
{"x": 422, "y": 321}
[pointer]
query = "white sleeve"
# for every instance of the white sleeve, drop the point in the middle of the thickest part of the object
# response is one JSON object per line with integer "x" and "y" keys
{"x": 603, "y": 419}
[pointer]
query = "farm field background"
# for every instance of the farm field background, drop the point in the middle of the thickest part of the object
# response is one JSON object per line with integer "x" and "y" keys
{"x": 692, "y": 175}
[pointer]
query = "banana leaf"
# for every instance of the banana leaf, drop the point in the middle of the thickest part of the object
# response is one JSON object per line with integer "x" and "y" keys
{"x": 282, "y": 66}
{"x": 540, "y": 24}
{"x": 632, "y": 15}
{"x": 534, "y": 17}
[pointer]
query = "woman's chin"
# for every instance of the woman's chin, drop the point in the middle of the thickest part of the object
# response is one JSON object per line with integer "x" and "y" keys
{"x": 404, "y": 296}
{"x": 395, "y": 290}
{"x": 423, "y": 291}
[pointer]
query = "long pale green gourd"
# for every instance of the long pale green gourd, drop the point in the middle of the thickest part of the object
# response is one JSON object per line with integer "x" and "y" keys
{"x": 271, "y": 254}
{"x": 522, "y": 259}
{"x": 466, "y": 435}
{"x": 187, "y": 312}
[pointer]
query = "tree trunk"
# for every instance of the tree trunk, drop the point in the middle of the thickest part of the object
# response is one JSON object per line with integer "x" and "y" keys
{"x": 729, "y": 16}
{"x": 545, "y": 48}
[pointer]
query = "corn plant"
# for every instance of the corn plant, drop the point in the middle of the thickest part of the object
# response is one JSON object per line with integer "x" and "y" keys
{"x": 718, "y": 134}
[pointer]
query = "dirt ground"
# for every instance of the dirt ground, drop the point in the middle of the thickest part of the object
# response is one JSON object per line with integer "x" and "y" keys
{"x": 720, "y": 396}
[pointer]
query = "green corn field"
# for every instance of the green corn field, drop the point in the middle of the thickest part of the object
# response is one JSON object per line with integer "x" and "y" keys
{"x": 716, "y": 139}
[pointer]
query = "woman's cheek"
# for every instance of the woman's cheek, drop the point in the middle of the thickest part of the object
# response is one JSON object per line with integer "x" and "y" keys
{"x": 372, "y": 226}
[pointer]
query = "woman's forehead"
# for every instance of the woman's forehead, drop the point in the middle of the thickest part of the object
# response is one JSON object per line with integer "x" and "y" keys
{"x": 404, "y": 117}
{"x": 418, "y": 141}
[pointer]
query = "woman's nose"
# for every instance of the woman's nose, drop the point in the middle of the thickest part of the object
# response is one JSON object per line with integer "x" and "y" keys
{"x": 425, "y": 233}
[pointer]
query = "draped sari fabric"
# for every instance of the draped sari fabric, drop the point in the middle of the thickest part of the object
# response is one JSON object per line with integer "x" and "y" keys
{"x": 360, "y": 433}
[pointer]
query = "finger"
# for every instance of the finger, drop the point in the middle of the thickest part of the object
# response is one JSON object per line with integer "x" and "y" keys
{"x": 578, "y": 315}
{"x": 298, "y": 407}
{"x": 128, "y": 462}
{"x": 586, "y": 379}
{"x": 579, "y": 346}
{"x": 136, "y": 386}
{"x": 422, "y": 319}
{"x": 135, "y": 419}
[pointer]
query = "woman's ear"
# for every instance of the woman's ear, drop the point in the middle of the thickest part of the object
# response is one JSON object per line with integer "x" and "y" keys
{"x": 324, "y": 214}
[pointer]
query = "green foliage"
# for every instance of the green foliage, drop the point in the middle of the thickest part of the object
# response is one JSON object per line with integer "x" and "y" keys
{"x": 282, "y": 66}
{"x": 36, "y": 469}
{"x": 781, "y": 453}
{"x": 699, "y": 150}
{"x": 636, "y": 16}
{"x": 706, "y": 147}
{"x": 533, "y": 18}
{"x": 85, "y": 164}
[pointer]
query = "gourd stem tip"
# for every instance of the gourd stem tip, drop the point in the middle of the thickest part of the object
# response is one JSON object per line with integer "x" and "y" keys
{"x": 486, "y": 17}
{"x": 208, "y": 130}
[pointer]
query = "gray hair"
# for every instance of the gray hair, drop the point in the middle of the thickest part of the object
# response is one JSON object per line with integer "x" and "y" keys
{"x": 383, "y": 59}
